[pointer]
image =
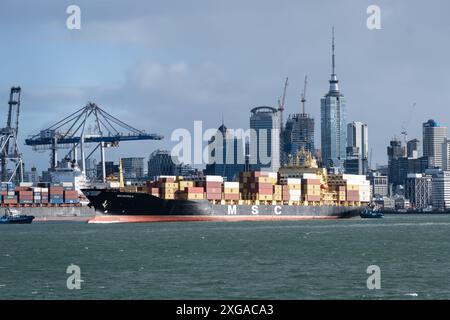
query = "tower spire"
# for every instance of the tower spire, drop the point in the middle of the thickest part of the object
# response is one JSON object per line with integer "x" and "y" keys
{"x": 334, "y": 83}
{"x": 332, "y": 48}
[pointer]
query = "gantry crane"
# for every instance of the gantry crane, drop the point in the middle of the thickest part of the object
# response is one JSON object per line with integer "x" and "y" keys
{"x": 11, "y": 162}
{"x": 88, "y": 125}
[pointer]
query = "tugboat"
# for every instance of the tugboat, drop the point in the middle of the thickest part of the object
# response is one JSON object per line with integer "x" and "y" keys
{"x": 13, "y": 217}
{"x": 371, "y": 212}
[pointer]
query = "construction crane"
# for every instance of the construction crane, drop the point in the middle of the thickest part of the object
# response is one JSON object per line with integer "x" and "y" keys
{"x": 405, "y": 126}
{"x": 88, "y": 125}
{"x": 281, "y": 104}
{"x": 11, "y": 162}
{"x": 304, "y": 95}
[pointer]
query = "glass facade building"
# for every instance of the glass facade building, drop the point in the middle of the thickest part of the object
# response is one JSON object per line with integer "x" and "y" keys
{"x": 265, "y": 139}
{"x": 333, "y": 124}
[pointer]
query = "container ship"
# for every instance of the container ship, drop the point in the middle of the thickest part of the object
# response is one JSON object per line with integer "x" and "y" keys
{"x": 292, "y": 193}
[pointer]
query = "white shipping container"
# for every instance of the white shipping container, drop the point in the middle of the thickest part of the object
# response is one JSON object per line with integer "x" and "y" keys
{"x": 310, "y": 176}
{"x": 214, "y": 179}
{"x": 294, "y": 181}
{"x": 36, "y": 189}
{"x": 231, "y": 185}
{"x": 67, "y": 184}
{"x": 354, "y": 177}
{"x": 160, "y": 177}
{"x": 26, "y": 184}
{"x": 295, "y": 192}
{"x": 294, "y": 198}
{"x": 273, "y": 175}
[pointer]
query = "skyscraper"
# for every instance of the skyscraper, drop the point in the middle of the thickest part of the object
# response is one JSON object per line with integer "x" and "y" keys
{"x": 414, "y": 149}
{"x": 299, "y": 133}
{"x": 446, "y": 154}
{"x": 333, "y": 122}
{"x": 227, "y": 156}
{"x": 265, "y": 139}
{"x": 133, "y": 168}
{"x": 357, "y": 148}
{"x": 397, "y": 162}
{"x": 433, "y": 137}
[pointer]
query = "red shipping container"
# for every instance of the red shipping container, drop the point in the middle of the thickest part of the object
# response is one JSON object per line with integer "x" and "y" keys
{"x": 213, "y": 190}
{"x": 231, "y": 196}
{"x": 264, "y": 191}
{"x": 213, "y": 184}
{"x": 311, "y": 181}
{"x": 312, "y": 198}
{"x": 214, "y": 196}
{"x": 193, "y": 189}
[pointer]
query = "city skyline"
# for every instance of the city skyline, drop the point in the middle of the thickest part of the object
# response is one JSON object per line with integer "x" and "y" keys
{"x": 59, "y": 75}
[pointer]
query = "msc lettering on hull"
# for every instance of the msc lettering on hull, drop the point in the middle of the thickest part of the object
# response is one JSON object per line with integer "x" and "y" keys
{"x": 232, "y": 210}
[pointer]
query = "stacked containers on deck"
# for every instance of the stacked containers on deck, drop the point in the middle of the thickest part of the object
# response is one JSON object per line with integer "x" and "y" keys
{"x": 44, "y": 195}
{"x": 9, "y": 189}
{"x": 292, "y": 190}
{"x": 278, "y": 192}
{"x": 338, "y": 185}
{"x": 56, "y": 193}
{"x": 231, "y": 190}
{"x": 70, "y": 194}
{"x": 25, "y": 195}
{"x": 259, "y": 185}
{"x": 187, "y": 191}
{"x": 37, "y": 195}
{"x": 192, "y": 193}
{"x": 3, "y": 190}
{"x": 311, "y": 188}
{"x": 213, "y": 187}
{"x": 167, "y": 187}
{"x": 358, "y": 188}
{"x": 152, "y": 188}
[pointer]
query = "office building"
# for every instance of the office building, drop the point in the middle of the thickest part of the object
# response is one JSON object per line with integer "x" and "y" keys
{"x": 379, "y": 184}
{"x": 357, "y": 148}
{"x": 418, "y": 189}
{"x": 265, "y": 139}
{"x": 414, "y": 149}
{"x": 226, "y": 152}
{"x": 434, "y": 136}
{"x": 133, "y": 169}
{"x": 161, "y": 163}
{"x": 299, "y": 134}
{"x": 441, "y": 190}
{"x": 333, "y": 123}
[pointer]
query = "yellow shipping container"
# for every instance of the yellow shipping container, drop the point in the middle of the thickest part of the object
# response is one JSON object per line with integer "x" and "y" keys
{"x": 352, "y": 187}
{"x": 264, "y": 197}
{"x": 277, "y": 197}
{"x": 231, "y": 190}
{"x": 185, "y": 184}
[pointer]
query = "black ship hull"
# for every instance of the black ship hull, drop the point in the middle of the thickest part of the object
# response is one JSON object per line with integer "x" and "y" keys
{"x": 114, "y": 203}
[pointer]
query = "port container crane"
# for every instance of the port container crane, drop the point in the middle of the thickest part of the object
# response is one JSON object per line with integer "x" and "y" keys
{"x": 72, "y": 133}
{"x": 11, "y": 161}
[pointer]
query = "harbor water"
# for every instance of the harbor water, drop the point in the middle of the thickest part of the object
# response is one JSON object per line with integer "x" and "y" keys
{"x": 326, "y": 259}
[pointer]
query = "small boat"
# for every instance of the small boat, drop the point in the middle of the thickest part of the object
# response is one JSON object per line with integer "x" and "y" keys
{"x": 371, "y": 213}
{"x": 13, "y": 217}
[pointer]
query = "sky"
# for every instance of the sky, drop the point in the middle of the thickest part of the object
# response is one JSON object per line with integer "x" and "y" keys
{"x": 160, "y": 65}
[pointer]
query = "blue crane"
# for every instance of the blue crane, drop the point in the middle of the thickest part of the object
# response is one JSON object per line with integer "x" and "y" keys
{"x": 90, "y": 124}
